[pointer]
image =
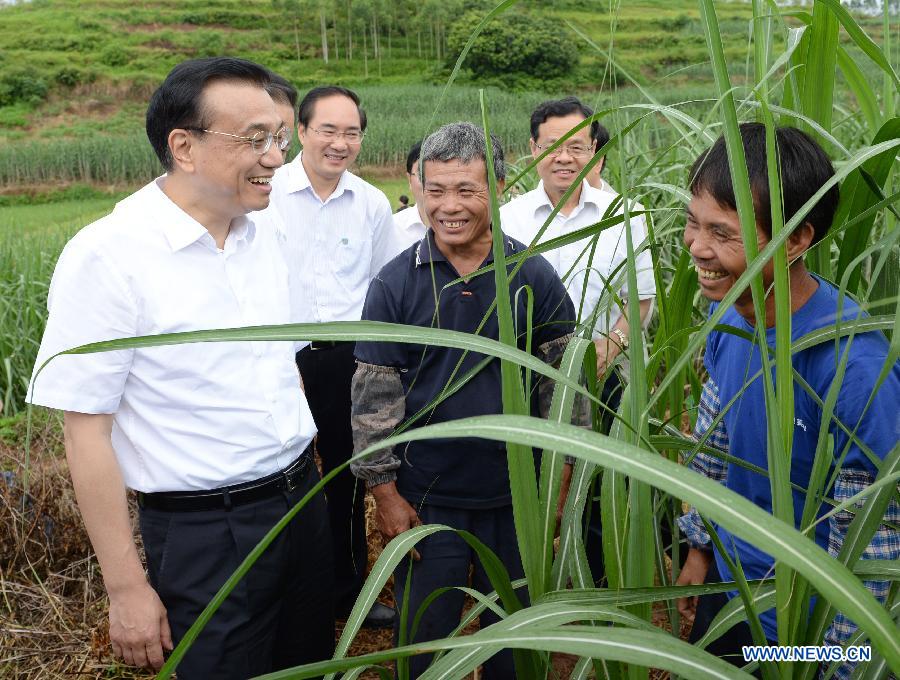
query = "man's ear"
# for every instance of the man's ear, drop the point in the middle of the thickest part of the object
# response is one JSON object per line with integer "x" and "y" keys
{"x": 181, "y": 145}
{"x": 800, "y": 240}
{"x": 301, "y": 133}
{"x": 501, "y": 186}
{"x": 535, "y": 152}
{"x": 599, "y": 167}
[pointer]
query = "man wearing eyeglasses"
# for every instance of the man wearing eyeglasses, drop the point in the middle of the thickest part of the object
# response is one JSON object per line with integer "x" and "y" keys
{"x": 594, "y": 275}
{"x": 339, "y": 234}
{"x": 214, "y": 437}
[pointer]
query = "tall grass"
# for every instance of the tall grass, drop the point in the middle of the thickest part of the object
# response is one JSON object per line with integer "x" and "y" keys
{"x": 642, "y": 481}
{"x": 31, "y": 239}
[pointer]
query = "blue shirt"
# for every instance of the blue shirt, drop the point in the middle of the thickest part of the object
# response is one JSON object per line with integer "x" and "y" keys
{"x": 732, "y": 361}
{"x": 462, "y": 473}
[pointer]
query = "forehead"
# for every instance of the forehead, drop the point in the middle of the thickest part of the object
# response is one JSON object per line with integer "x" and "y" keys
{"x": 336, "y": 110}
{"x": 705, "y": 209}
{"x": 456, "y": 173}
{"x": 557, "y": 126}
{"x": 238, "y": 105}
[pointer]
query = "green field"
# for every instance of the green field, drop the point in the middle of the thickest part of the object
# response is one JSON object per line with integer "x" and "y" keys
{"x": 74, "y": 145}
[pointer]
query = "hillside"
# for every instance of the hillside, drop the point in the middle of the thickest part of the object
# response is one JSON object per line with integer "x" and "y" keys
{"x": 79, "y": 74}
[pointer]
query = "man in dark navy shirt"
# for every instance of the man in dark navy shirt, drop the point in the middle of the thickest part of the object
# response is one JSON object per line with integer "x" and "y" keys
{"x": 463, "y": 483}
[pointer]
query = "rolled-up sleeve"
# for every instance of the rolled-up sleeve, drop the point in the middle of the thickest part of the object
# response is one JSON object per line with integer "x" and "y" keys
{"x": 378, "y": 405}
{"x": 704, "y": 463}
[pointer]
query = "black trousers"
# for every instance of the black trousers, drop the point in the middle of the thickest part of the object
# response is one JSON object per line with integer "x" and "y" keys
{"x": 611, "y": 396}
{"x": 446, "y": 561}
{"x": 326, "y": 376}
{"x": 727, "y": 647}
{"x": 280, "y": 615}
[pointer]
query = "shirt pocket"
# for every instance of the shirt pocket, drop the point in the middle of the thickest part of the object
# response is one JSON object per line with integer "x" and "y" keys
{"x": 351, "y": 253}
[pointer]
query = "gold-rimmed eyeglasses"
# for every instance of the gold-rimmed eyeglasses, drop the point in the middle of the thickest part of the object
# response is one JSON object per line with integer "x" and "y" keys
{"x": 574, "y": 150}
{"x": 260, "y": 141}
{"x": 350, "y": 136}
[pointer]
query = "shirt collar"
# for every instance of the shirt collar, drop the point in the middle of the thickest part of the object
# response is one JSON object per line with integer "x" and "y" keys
{"x": 298, "y": 180}
{"x": 151, "y": 204}
{"x": 543, "y": 203}
{"x": 427, "y": 250}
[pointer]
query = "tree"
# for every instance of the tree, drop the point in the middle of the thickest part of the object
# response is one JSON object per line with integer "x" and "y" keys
{"x": 516, "y": 44}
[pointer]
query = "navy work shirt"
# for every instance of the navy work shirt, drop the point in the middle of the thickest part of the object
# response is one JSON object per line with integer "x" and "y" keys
{"x": 460, "y": 472}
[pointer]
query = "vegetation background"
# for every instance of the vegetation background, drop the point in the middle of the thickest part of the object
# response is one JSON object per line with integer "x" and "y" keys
{"x": 74, "y": 81}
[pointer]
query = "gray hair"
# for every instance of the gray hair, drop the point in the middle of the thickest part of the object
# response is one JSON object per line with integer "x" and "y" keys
{"x": 463, "y": 142}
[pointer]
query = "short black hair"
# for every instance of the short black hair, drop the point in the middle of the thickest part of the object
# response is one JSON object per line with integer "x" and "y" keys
{"x": 805, "y": 167}
{"x": 281, "y": 91}
{"x": 557, "y": 108}
{"x": 601, "y": 137}
{"x": 307, "y": 106}
{"x": 177, "y": 102}
{"x": 414, "y": 152}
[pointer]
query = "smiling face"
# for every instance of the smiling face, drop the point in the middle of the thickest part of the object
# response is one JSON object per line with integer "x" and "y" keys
{"x": 457, "y": 203}
{"x": 228, "y": 178}
{"x": 560, "y": 171}
{"x": 328, "y": 159}
{"x": 712, "y": 234}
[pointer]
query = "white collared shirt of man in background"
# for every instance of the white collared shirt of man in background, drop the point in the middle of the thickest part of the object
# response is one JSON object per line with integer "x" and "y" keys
{"x": 334, "y": 247}
{"x": 150, "y": 268}
{"x": 409, "y": 228}
{"x": 523, "y": 217}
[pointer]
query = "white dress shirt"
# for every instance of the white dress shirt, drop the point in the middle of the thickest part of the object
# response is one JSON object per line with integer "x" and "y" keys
{"x": 408, "y": 228}
{"x": 523, "y": 217}
{"x": 189, "y": 416}
{"x": 335, "y": 247}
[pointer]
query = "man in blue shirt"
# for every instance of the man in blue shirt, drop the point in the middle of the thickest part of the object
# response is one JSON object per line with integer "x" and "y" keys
{"x": 463, "y": 483}
{"x": 713, "y": 236}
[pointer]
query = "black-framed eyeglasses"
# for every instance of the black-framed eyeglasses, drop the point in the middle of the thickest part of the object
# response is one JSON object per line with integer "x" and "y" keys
{"x": 260, "y": 141}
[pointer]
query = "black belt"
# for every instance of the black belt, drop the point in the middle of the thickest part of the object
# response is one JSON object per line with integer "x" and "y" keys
{"x": 226, "y": 497}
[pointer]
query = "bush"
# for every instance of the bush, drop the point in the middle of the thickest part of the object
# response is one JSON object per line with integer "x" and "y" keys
{"x": 516, "y": 44}
{"x": 22, "y": 85}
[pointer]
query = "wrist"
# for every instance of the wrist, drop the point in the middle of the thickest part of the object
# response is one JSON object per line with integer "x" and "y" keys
{"x": 384, "y": 491}
{"x": 618, "y": 338}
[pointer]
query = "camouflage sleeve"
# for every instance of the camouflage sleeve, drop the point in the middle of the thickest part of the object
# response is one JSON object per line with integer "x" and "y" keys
{"x": 551, "y": 353}
{"x": 377, "y": 407}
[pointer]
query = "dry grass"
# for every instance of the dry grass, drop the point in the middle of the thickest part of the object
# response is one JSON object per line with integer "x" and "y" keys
{"x": 53, "y": 607}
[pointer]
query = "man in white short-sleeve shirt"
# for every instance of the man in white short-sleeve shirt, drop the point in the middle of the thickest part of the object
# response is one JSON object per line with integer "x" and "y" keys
{"x": 339, "y": 235}
{"x": 214, "y": 437}
{"x": 589, "y": 276}
{"x": 410, "y": 224}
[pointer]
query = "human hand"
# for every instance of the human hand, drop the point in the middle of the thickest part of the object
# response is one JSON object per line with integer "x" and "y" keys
{"x": 393, "y": 514}
{"x": 607, "y": 350}
{"x": 138, "y": 626}
{"x": 693, "y": 573}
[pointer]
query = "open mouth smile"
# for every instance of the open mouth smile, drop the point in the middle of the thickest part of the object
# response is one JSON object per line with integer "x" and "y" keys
{"x": 265, "y": 181}
{"x": 710, "y": 275}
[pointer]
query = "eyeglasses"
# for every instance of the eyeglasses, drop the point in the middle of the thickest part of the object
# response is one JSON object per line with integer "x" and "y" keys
{"x": 260, "y": 141}
{"x": 351, "y": 136}
{"x": 575, "y": 150}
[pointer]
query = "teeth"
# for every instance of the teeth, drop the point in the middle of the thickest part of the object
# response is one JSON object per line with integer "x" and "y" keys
{"x": 709, "y": 274}
{"x": 453, "y": 225}
{"x": 260, "y": 180}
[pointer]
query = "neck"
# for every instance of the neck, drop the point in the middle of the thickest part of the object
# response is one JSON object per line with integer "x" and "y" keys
{"x": 323, "y": 187}
{"x": 556, "y": 196}
{"x": 466, "y": 258}
{"x": 802, "y": 287}
{"x": 198, "y": 208}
